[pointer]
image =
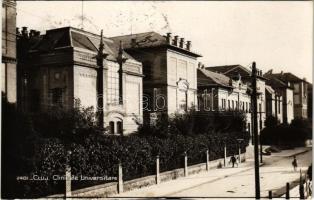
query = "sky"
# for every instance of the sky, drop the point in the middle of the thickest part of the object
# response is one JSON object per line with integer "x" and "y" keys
{"x": 276, "y": 35}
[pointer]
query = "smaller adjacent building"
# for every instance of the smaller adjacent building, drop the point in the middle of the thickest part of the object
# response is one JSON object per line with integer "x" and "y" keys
{"x": 273, "y": 103}
{"x": 300, "y": 92}
{"x": 233, "y": 72}
{"x": 218, "y": 92}
{"x": 280, "y": 99}
{"x": 169, "y": 68}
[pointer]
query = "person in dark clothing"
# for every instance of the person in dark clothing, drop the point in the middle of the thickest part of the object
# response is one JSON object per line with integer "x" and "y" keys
{"x": 233, "y": 160}
{"x": 295, "y": 163}
{"x": 309, "y": 172}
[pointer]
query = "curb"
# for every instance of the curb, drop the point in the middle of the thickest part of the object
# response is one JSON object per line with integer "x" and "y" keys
{"x": 275, "y": 193}
{"x": 282, "y": 191}
{"x": 216, "y": 179}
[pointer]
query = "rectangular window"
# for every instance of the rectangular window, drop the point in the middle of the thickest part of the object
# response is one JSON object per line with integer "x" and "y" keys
{"x": 113, "y": 84}
{"x": 232, "y": 104}
{"x": 260, "y": 107}
{"x": 182, "y": 100}
{"x": 296, "y": 88}
{"x": 229, "y": 104}
{"x": 57, "y": 96}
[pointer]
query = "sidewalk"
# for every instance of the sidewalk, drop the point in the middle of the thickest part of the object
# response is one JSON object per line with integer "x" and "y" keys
{"x": 219, "y": 180}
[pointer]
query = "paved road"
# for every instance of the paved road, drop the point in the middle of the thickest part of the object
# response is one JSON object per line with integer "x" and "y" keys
{"x": 231, "y": 182}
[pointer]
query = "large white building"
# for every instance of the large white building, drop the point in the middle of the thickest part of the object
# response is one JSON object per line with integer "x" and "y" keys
{"x": 61, "y": 66}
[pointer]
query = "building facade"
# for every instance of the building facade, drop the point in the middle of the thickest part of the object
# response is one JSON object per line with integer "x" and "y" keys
{"x": 61, "y": 67}
{"x": 169, "y": 68}
{"x": 8, "y": 64}
{"x": 283, "y": 98}
{"x": 300, "y": 93}
{"x": 233, "y": 72}
{"x": 217, "y": 92}
{"x": 274, "y": 104}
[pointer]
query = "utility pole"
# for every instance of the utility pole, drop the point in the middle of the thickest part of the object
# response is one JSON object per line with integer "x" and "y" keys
{"x": 255, "y": 126}
{"x": 100, "y": 82}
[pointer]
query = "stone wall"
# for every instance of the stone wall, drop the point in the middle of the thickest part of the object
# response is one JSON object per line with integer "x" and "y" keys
{"x": 109, "y": 189}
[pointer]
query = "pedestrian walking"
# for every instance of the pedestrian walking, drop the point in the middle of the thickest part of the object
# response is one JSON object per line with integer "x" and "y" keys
{"x": 309, "y": 172}
{"x": 309, "y": 176}
{"x": 295, "y": 163}
{"x": 233, "y": 160}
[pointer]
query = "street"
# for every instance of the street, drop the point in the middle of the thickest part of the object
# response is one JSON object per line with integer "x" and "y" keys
{"x": 275, "y": 172}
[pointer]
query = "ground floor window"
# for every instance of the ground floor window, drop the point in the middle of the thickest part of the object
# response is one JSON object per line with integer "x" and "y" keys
{"x": 116, "y": 127}
{"x": 111, "y": 127}
{"x": 120, "y": 128}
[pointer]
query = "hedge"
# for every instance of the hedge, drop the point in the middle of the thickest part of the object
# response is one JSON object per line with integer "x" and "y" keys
{"x": 94, "y": 154}
{"x": 287, "y": 135}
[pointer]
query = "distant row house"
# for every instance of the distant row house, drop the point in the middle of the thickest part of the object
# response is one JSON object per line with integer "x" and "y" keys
{"x": 144, "y": 75}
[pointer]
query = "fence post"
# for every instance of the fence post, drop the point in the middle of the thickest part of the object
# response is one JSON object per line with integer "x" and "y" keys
{"x": 225, "y": 155}
{"x": 68, "y": 190}
{"x": 270, "y": 194}
{"x": 207, "y": 160}
{"x": 185, "y": 164}
{"x": 157, "y": 170}
{"x": 239, "y": 154}
{"x": 120, "y": 179}
{"x": 287, "y": 191}
{"x": 301, "y": 186}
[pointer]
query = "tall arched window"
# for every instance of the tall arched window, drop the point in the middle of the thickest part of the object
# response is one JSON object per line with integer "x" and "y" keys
{"x": 120, "y": 127}
{"x": 111, "y": 127}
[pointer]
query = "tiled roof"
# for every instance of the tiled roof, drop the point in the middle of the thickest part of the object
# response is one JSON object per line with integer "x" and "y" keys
{"x": 287, "y": 77}
{"x": 209, "y": 78}
{"x": 148, "y": 40}
{"x": 275, "y": 82}
{"x": 69, "y": 36}
{"x": 232, "y": 70}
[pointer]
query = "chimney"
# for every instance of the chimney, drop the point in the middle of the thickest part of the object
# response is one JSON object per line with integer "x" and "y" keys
{"x": 281, "y": 72}
{"x": 168, "y": 37}
{"x": 188, "y": 45}
{"x": 175, "y": 41}
{"x": 133, "y": 42}
{"x": 24, "y": 31}
{"x": 37, "y": 33}
{"x": 181, "y": 42}
{"x": 203, "y": 66}
{"x": 18, "y": 33}
{"x": 261, "y": 73}
{"x": 32, "y": 33}
{"x": 199, "y": 65}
